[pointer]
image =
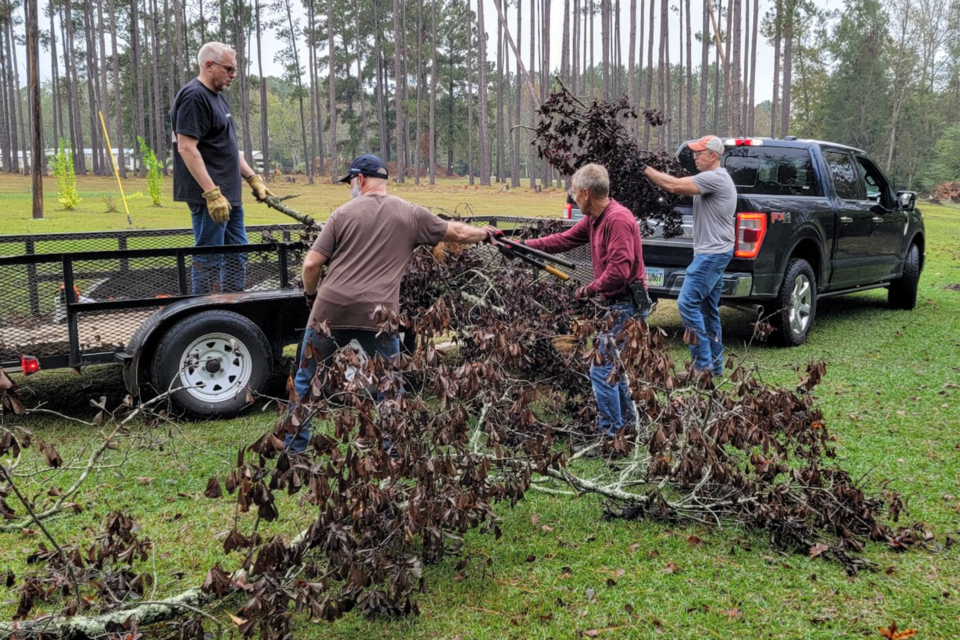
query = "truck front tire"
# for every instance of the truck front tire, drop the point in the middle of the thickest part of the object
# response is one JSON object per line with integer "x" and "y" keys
{"x": 902, "y": 293}
{"x": 212, "y": 359}
{"x": 796, "y": 304}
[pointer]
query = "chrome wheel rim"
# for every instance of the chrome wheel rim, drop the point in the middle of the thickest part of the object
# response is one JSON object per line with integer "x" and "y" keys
{"x": 801, "y": 303}
{"x": 215, "y": 367}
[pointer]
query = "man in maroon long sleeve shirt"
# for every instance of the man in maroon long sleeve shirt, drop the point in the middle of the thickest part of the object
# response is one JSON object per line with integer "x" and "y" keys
{"x": 617, "y": 257}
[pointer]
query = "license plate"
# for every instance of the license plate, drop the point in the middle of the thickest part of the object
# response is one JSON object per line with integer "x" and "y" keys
{"x": 653, "y": 277}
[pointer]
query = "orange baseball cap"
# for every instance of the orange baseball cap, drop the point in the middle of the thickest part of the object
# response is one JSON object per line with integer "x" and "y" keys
{"x": 707, "y": 143}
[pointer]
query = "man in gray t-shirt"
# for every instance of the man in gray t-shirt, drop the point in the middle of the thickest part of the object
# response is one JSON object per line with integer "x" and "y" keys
{"x": 714, "y": 237}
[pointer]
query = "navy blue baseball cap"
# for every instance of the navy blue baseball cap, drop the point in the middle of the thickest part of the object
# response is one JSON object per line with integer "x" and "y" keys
{"x": 367, "y": 165}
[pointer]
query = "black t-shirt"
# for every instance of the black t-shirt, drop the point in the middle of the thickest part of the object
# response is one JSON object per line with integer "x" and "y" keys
{"x": 200, "y": 113}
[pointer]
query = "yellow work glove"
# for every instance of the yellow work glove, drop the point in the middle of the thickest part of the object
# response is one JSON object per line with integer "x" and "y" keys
{"x": 260, "y": 191}
{"x": 217, "y": 206}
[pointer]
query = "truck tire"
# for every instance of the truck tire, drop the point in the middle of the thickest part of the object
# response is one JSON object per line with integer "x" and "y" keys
{"x": 214, "y": 358}
{"x": 796, "y": 304}
{"x": 902, "y": 293}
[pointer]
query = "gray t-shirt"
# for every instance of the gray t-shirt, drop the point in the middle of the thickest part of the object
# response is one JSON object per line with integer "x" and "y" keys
{"x": 714, "y": 212}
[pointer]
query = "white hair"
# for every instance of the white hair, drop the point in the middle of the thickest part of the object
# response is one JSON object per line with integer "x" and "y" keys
{"x": 594, "y": 178}
{"x": 213, "y": 52}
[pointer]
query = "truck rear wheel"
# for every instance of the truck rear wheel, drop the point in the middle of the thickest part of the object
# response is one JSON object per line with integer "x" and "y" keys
{"x": 212, "y": 359}
{"x": 902, "y": 293}
{"x": 796, "y": 304}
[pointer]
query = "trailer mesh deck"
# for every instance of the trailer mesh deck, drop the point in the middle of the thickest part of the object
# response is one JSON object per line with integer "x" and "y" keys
{"x": 80, "y": 297}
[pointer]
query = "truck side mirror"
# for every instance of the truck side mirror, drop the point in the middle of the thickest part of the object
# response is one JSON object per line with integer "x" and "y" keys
{"x": 907, "y": 199}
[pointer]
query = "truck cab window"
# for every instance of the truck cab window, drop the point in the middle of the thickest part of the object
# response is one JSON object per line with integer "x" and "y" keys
{"x": 878, "y": 189}
{"x": 846, "y": 178}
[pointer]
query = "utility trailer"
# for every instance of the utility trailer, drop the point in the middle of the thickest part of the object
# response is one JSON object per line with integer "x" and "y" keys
{"x": 211, "y": 320}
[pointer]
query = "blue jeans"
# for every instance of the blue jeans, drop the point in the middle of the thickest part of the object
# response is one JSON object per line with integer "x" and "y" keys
{"x": 699, "y": 306}
{"x": 218, "y": 272}
{"x": 614, "y": 406}
{"x": 324, "y": 348}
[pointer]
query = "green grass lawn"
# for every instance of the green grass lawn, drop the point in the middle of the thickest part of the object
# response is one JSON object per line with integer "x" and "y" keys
{"x": 317, "y": 200}
{"x": 890, "y": 396}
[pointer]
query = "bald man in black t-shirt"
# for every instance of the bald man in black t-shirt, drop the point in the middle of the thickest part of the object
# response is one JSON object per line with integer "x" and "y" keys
{"x": 207, "y": 168}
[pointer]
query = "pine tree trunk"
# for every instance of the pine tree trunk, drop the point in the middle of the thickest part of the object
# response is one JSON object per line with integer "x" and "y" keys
{"x": 104, "y": 89}
{"x": 631, "y": 55}
{"x": 485, "y": 165}
{"x": 565, "y": 45}
{"x": 605, "y": 46}
{"x": 76, "y": 133}
{"x": 777, "y": 38}
{"x": 471, "y": 167}
{"x": 243, "y": 78}
{"x": 363, "y": 97}
{"x": 641, "y": 14}
{"x": 662, "y": 74}
{"x": 18, "y": 93}
{"x": 161, "y": 139}
{"x": 706, "y": 38}
{"x": 7, "y": 160}
{"x": 500, "y": 169}
{"x": 264, "y": 133}
{"x": 574, "y": 50}
{"x": 331, "y": 69}
{"x": 727, "y": 98}
{"x": 316, "y": 122}
{"x": 689, "y": 126}
{"x": 787, "y": 64}
{"x": 181, "y": 57}
{"x": 418, "y": 128}
{"x": 117, "y": 100}
{"x": 745, "y": 90}
{"x": 667, "y": 138}
{"x": 399, "y": 54}
{"x": 32, "y": 10}
{"x": 515, "y": 181}
{"x": 753, "y": 68}
{"x": 736, "y": 98}
{"x": 648, "y": 93}
{"x": 532, "y": 158}
{"x": 680, "y": 84}
{"x": 545, "y": 79}
{"x": 717, "y": 86}
{"x": 433, "y": 92}
{"x": 55, "y": 81}
{"x": 618, "y": 50}
{"x": 8, "y": 137}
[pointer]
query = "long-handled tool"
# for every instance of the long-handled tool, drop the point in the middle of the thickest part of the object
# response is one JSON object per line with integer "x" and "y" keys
{"x": 534, "y": 257}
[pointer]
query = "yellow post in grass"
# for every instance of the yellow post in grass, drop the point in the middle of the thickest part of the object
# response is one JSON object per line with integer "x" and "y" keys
{"x": 113, "y": 162}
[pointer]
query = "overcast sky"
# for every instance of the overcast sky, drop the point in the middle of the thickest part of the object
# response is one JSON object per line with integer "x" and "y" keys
{"x": 764, "y": 83}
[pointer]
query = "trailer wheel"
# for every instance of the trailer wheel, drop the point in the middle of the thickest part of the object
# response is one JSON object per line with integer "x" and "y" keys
{"x": 796, "y": 303}
{"x": 213, "y": 358}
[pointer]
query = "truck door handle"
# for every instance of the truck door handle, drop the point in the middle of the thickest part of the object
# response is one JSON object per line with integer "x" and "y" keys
{"x": 845, "y": 220}
{"x": 877, "y": 218}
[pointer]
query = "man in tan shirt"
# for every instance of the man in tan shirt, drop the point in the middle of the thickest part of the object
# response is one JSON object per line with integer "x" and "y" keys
{"x": 366, "y": 244}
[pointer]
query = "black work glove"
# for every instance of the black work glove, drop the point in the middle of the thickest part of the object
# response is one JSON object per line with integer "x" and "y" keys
{"x": 310, "y": 298}
{"x": 581, "y": 294}
{"x": 493, "y": 234}
{"x": 643, "y": 169}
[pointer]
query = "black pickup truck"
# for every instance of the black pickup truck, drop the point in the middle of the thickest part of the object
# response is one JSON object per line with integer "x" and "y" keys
{"x": 814, "y": 219}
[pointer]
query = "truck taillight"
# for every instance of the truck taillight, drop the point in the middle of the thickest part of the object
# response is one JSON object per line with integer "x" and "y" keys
{"x": 743, "y": 142}
{"x": 568, "y": 211}
{"x": 751, "y": 227}
{"x": 29, "y": 364}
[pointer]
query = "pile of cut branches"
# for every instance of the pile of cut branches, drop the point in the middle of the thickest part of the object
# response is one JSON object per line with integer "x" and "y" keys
{"x": 404, "y": 461}
{"x": 571, "y": 134}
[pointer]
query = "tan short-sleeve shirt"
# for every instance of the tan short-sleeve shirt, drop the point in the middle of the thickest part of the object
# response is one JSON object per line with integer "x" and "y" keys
{"x": 368, "y": 243}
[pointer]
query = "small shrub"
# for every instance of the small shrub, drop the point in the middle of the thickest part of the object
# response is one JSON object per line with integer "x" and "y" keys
{"x": 111, "y": 204}
{"x": 66, "y": 177}
{"x": 154, "y": 173}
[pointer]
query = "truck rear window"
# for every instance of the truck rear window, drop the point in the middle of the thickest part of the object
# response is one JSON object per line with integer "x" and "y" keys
{"x": 766, "y": 170}
{"x": 772, "y": 171}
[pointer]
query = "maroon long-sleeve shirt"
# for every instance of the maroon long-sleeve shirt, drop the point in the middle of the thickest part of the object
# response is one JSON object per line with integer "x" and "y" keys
{"x": 615, "y": 249}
